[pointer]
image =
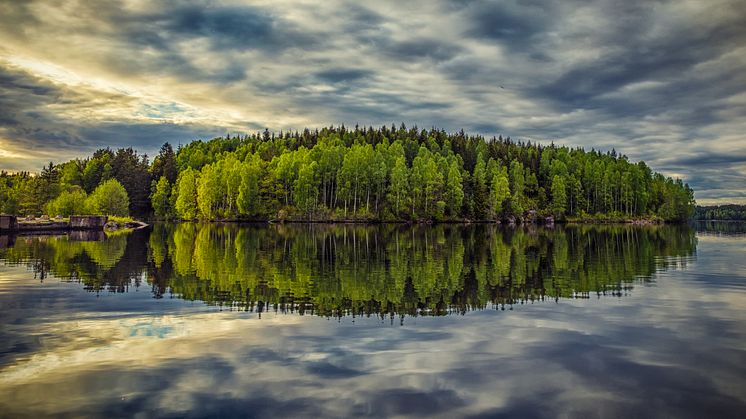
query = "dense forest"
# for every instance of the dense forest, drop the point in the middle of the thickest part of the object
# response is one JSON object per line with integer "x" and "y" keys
{"x": 363, "y": 174}
{"x": 363, "y": 270}
{"x": 721, "y": 212}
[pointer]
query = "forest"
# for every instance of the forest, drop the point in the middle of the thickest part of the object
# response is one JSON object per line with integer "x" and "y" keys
{"x": 730, "y": 212}
{"x": 360, "y": 174}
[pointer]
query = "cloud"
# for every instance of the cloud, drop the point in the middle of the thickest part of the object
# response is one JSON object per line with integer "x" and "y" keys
{"x": 660, "y": 81}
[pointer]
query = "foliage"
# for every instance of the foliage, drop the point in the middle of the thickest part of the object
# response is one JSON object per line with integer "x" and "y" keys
{"x": 70, "y": 202}
{"x": 186, "y": 193}
{"x": 161, "y": 199}
{"x": 109, "y": 198}
{"x": 721, "y": 212}
{"x": 387, "y": 173}
{"x": 559, "y": 195}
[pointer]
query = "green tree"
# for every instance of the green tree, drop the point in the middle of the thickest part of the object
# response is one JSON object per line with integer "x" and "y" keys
{"x": 306, "y": 189}
{"x": 454, "y": 189}
{"x": 71, "y": 174}
{"x": 161, "y": 198}
{"x": 209, "y": 193}
{"x": 69, "y": 202}
{"x": 186, "y": 201}
{"x": 399, "y": 184}
{"x": 559, "y": 195}
{"x": 248, "y": 192}
{"x": 500, "y": 191}
{"x": 517, "y": 185}
{"x": 164, "y": 164}
{"x": 481, "y": 190}
{"x": 133, "y": 172}
{"x": 109, "y": 198}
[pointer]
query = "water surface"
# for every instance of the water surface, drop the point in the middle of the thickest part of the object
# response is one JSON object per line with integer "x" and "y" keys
{"x": 339, "y": 321}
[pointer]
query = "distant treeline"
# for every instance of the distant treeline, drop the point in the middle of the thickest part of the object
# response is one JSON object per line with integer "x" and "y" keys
{"x": 384, "y": 174}
{"x": 721, "y": 212}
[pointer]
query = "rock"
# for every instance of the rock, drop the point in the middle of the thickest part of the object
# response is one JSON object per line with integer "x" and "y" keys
{"x": 88, "y": 222}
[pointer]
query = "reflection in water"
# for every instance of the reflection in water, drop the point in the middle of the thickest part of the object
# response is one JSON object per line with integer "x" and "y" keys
{"x": 676, "y": 347}
{"x": 727, "y": 228}
{"x": 98, "y": 261}
{"x": 362, "y": 270}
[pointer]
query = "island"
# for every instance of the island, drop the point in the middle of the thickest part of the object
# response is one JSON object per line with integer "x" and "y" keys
{"x": 363, "y": 174}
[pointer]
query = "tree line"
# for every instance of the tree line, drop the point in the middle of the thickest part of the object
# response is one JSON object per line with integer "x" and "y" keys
{"x": 367, "y": 174}
{"x": 721, "y": 212}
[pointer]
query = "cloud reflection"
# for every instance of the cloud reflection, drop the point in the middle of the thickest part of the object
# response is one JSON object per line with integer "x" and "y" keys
{"x": 653, "y": 354}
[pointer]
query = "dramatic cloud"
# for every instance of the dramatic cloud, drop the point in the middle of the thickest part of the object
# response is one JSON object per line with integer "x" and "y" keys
{"x": 660, "y": 81}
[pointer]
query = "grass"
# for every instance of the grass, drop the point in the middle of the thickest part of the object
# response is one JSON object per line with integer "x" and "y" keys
{"x": 121, "y": 220}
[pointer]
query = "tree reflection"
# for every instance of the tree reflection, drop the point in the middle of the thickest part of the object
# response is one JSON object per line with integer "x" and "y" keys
{"x": 382, "y": 270}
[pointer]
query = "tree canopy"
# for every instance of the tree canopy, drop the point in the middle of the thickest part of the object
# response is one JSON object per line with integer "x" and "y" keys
{"x": 109, "y": 198}
{"x": 384, "y": 174}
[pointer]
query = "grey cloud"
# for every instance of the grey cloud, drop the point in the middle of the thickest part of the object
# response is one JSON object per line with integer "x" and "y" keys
{"x": 516, "y": 23}
{"x": 655, "y": 80}
{"x": 414, "y": 49}
{"x": 710, "y": 159}
{"x": 236, "y": 28}
{"x": 634, "y": 49}
{"x": 343, "y": 75}
{"x": 147, "y": 137}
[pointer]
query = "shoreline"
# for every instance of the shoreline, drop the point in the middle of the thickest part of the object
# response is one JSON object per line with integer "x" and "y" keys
{"x": 430, "y": 222}
{"x": 11, "y": 224}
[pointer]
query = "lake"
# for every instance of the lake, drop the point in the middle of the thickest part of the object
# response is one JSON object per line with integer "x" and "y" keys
{"x": 195, "y": 320}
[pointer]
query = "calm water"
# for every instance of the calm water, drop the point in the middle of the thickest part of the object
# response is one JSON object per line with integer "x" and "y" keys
{"x": 320, "y": 321}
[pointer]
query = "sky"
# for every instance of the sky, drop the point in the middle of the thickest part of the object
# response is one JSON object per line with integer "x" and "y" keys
{"x": 659, "y": 81}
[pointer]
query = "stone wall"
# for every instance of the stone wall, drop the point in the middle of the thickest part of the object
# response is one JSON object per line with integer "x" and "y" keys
{"x": 8, "y": 222}
{"x": 88, "y": 222}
